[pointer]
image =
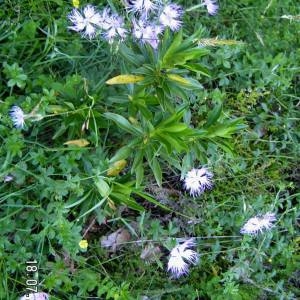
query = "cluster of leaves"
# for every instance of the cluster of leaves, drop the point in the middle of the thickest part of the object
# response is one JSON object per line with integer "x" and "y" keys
{"x": 160, "y": 101}
{"x": 115, "y": 128}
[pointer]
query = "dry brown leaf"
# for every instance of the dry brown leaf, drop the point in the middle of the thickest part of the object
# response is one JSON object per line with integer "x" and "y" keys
{"x": 114, "y": 240}
{"x": 150, "y": 253}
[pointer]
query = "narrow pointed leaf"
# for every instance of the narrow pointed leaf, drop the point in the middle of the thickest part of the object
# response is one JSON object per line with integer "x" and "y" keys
{"x": 123, "y": 123}
{"x": 125, "y": 79}
{"x": 79, "y": 143}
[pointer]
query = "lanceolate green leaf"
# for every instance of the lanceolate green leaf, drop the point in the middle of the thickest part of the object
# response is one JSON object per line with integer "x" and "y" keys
{"x": 139, "y": 172}
{"x": 155, "y": 166}
{"x": 126, "y": 151}
{"x": 132, "y": 57}
{"x": 173, "y": 118}
{"x": 176, "y": 128}
{"x": 185, "y": 82}
{"x": 213, "y": 115}
{"x": 73, "y": 203}
{"x": 195, "y": 67}
{"x": 179, "y": 52}
{"x": 163, "y": 142}
{"x": 123, "y": 123}
{"x": 226, "y": 129}
{"x": 99, "y": 204}
{"x": 102, "y": 187}
{"x": 151, "y": 199}
{"x": 172, "y": 48}
{"x": 127, "y": 200}
{"x": 122, "y": 153}
{"x": 175, "y": 143}
{"x": 138, "y": 158}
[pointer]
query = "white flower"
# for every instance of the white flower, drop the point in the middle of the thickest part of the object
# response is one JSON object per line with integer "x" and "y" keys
{"x": 87, "y": 22}
{"x": 211, "y": 6}
{"x": 258, "y": 224}
{"x": 115, "y": 27}
{"x": 197, "y": 181}
{"x": 8, "y": 178}
{"x": 141, "y": 6}
{"x": 36, "y": 296}
{"x": 181, "y": 257}
{"x": 147, "y": 33}
{"x": 18, "y": 117}
{"x": 138, "y": 28}
{"x": 150, "y": 35}
{"x": 107, "y": 18}
{"x": 169, "y": 16}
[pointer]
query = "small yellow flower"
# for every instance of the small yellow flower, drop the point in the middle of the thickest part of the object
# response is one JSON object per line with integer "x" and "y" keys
{"x": 83, "y": 244}
{"x": 75, "y": 3}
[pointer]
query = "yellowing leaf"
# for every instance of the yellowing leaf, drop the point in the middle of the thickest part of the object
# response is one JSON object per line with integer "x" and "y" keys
{"x": 214, "y": 270}
{"x": 124, "y": 79}
{"x": 179, "y": 79}
{"x": 216, "y": 42}
{"x": 56, "y": 109}
{"x": 133, "y": 120}
{"x": 117, "y": 167}
{"x": 79, "y": 143}
{"x": 111, "y": 204}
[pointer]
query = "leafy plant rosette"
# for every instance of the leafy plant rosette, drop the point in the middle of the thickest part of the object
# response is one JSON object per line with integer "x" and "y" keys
{"x": 158, "y": 72}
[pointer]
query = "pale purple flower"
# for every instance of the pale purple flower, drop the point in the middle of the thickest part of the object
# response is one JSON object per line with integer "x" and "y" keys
{"x": 181, "y": 257}
{"x": 17, "y": 116}
{"x": 170, "y": 16}
{"x": 197, "y": 181}
{"x": 114, "y": 26}
{"x": 151, "y": 33}
{"x": 8, "y": 178}
{"x": 143, "y": 7}
{"x": 258, "y": 223}
{"x": 147, "y": 33}
{"x": 86, "y": 22}
{"x": 106, "y": 19}
{"x": 35, "y": 296}
{"x": 138, "y": 28}
{"x": 211, "y": 6}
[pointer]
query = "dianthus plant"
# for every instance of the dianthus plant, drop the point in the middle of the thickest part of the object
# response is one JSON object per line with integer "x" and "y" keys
{"x": 161, "y": 66}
